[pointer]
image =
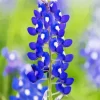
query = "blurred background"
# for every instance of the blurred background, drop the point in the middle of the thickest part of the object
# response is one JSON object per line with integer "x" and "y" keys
{"x": 83, "y": 26}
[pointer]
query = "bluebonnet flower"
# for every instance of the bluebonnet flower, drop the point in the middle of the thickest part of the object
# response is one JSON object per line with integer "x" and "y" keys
{"x": 50, "y": 27}
{"x": 91, "y": 47}
{"x": 27, "y": 90}
{"x": 91, "y": 52}
{"x": 14, "y": 61}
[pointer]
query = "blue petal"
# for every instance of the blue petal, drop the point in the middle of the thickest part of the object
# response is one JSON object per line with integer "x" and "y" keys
{"x": 46, "y": 37}
{"x": 32, "y": 45}
{"x": 43, "y": 7}
{"x": 61, "y": 33}
{"x": 47, "y": 58}
{"x": 37, "y": 14}
{"x": 15, "y": 83}
{"x": 55, "y": 71}
{"x": 34, "y": 20}
{"x": 40, "y": 26}
{"x": 67, "y": 90}
{"x": 53, "y": 7}
{"x": 63, "y": 76}
{"x": 40, "y": 64}
{"x": 61, "y": 56}
{"x": 39, "y": 51}
{"x": 32, "y": 56}
{"x": 65, "y": 18}
{"x": 65, "y": 66}
{"x": 60, "y": 49}
{"x": 62, "y": 26}
{"x": 51, "y": 44}
{"x": 69, "y": 81}
{"x": 69, "y": 58}
{"x": 32, "y": 31}
{"x": 57, "y": 16}
{"x": 60, "y": 40}
{"x": 67, "y": 43}
{"x": 59, "y": 86}
{"x": 31, "y": 76}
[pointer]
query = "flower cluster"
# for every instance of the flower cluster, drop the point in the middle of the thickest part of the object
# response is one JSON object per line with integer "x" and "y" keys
{"x": 14, "y": 61}
{"x": 27, "y": 90}
{"x": 91, "y": 51}
{"x": 50, "y": 27}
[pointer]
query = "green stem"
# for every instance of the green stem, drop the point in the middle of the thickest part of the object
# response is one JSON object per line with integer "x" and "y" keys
{"x": 50, "y": 76}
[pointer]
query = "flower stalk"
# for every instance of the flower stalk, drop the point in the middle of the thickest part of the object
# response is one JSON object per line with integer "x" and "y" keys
{"x": 50, "y": 27}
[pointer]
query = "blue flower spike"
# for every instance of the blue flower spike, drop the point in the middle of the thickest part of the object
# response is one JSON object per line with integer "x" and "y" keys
{"x": 50, "y": 26}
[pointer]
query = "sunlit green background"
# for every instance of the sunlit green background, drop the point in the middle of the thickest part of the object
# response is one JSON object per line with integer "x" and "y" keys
{"x": 13, "y": 34}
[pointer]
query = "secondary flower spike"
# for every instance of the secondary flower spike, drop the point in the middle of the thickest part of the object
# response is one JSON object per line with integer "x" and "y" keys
{"x": 49, "y": 27}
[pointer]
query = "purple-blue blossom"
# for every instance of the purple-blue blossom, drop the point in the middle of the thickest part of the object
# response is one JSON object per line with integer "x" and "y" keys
{"x": 27, "y": 90}
{"x": 14, "y": 61}
{"x": 91, "y": 53}
{"x": 49, "y": 27}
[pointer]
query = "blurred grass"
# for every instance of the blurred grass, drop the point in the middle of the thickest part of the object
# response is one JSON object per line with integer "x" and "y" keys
{"x": 13, "y": 34}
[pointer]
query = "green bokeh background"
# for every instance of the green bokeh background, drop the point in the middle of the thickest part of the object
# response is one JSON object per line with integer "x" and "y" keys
{"x": 13, "y": 34}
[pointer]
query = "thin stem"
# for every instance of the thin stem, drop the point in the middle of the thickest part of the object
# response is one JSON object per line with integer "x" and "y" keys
{"x": 50, "y": 78}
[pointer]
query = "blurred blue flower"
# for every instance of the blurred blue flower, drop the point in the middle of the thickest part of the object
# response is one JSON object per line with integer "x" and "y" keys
{"x": 27, "y": 90}
{"x": 14, "y": 61}
{"x": 50, "y": 26}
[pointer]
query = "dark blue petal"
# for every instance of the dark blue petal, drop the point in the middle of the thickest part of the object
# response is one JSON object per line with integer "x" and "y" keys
{"x": 31, "y": 76}
{"x": 55, "y": 71}
{"x": 67, "y": 43}
{"x": 34, "y": 20}
{"x": 40, "y": 74}
{"x": 63, "y": 76}
{"x": 32, "y": 56}
{"x": 65, "y": 66}
{"x": 39, "y": 51}
{"x": 55, "y": 28}
{"x": 65, "y": 18}
{"x": 37, "y": 14}
{"x": 69, "y": 58}
{"x": 43, "y": 7}
{"x": 51, "y": 44}
{"x": 69, "y": 81}
{"x": 60, "y": 40}
{"x": 61, "y": 33}
{"x": 62, "y": 26}
{"x": 59, "y": 86}
{"x": 57, "y": 15}
{"x": 32, "y": 31}
{"x": 40, "y": 64}
{"x": 47, "y": 58}
{"x": 32, "y": 45}
{"x": 40, "y": 26}
{"x": 60, "y": 49}
{"x": 41, "y": 40}
{"x": 67, "y": 90}
{"x": 61, "y": 56}
{"x": 53, "y": 7}
{"x": 47, "y": 20}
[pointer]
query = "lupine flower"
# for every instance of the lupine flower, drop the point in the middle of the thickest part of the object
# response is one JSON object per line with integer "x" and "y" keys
{"x": 91, "y": 52}
{"x": 14, "y": 61}
{"x": 27, "y": 90}
{"x": 50, "y": 27}
{"x": 91, "y": 49}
